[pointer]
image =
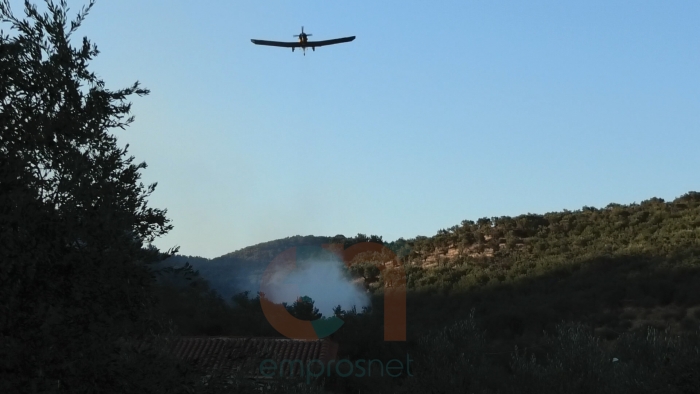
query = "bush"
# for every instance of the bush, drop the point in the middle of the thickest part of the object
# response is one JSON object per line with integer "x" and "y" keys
{"x": 575, "y": 364}
{"x": 657, "y": 362}
{"x": 452, "y": 360}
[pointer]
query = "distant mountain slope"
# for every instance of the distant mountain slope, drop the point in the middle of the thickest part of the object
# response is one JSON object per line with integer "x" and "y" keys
{"x": 637, "y": 256}
{"x": 241, "y": 270}
{"x": 617, "y": 268}
{"x": 653, "y": 225}
{"x": 266, "y": 251}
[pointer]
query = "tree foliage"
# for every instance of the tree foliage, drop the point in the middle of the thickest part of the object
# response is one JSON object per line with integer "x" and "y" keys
{"x": 507, "y": 249}
{"x": 74, "y": 218}
{"x": 303, "y": 308}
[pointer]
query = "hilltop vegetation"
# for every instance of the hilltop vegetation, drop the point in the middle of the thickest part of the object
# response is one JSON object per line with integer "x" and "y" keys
{"x": 612, "y": 272}
{"x": 653, "y": 226}
{"x": 241, "y": 270}
{"x": 632, "y": 256}
{"x": 640, "y": 258}
{"x": 577, "y": 264}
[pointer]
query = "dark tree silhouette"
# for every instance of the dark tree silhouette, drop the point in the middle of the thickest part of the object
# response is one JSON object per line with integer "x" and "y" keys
{"x": 303, "y": 308}
{"x": 74, "y": 218}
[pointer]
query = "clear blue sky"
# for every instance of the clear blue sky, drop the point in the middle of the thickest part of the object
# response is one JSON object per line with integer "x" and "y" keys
{"x": 436, "y": 113}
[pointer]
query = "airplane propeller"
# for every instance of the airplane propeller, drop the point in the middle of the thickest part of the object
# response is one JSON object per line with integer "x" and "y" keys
{"x": 302, "y": 33}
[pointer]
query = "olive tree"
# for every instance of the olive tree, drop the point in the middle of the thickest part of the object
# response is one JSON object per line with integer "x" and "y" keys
{"x": 75, "y": 225}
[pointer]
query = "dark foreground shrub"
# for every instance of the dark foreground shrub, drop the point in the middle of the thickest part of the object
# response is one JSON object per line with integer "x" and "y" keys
{"x": 651, "y": 362}
{"x": 452, "y": 360}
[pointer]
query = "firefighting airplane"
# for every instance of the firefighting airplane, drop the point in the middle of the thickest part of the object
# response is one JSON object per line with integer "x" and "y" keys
{"x": 303, "y": 42}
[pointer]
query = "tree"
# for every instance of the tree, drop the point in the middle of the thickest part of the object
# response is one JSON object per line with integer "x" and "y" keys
{"x": 484, "y": 222}
{"x": 368, "y": 270}
{"x": 303, "y": 308}
{"x": 74, "y": 218}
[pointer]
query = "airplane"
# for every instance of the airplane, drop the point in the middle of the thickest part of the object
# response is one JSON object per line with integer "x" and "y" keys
{"x": 303, "y": 42}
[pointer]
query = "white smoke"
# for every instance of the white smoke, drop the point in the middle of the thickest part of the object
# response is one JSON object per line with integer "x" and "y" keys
{"x": 324, "y": 280}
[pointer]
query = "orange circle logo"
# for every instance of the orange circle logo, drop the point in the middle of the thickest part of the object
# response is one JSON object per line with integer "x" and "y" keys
{"x": 293, "y": 328}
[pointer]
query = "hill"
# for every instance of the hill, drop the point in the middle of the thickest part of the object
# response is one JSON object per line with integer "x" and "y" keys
{"x": 613, "y": 271}
{"x": 241, "y": 270}
{"x": 618, "y": 267}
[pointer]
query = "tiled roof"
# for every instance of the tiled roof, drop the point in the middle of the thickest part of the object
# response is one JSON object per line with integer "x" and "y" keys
{"x": 245, "y": 355}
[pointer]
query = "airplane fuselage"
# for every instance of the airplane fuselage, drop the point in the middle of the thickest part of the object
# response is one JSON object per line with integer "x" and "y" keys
{"x": 303, "y": 40}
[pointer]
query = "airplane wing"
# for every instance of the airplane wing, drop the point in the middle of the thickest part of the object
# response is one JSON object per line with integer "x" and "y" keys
{"x": 329, "y": 42}
{"x": 277, "y": 43}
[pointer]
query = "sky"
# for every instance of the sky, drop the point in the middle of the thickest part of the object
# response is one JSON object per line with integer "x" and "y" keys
{"x": 438, "y": 112}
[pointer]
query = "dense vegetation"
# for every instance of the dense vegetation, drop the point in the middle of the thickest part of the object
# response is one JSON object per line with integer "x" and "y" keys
{"x": 611, "y": 273}
{"x": 76, "y": 290}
